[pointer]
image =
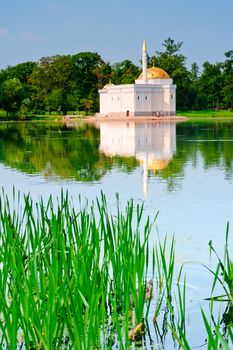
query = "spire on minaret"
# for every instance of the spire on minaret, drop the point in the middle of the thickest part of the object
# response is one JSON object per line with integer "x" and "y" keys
{"x": 144, "y": 61}
{"x": 144, "y": 47}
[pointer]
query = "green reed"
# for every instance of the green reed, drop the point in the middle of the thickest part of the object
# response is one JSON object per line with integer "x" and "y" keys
{"x": 71, "y": 275}
{"x": 224, "y": 271}
{"x": 77, "y": 277}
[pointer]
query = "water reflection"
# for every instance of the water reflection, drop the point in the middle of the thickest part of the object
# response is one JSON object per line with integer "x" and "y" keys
{"x": 86, "y": 153}
{"x": 152, "y": 144}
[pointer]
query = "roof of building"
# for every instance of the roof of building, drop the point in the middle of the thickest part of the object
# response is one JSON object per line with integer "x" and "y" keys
{"x": 108, "y": 85}
{"x": 155, "y": 73}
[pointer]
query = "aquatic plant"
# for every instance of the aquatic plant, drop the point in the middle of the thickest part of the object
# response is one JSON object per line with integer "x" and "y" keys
{"x": 71, "y": 276}
{"x": 224, "y": 271}
{"x": 78, "y": 277}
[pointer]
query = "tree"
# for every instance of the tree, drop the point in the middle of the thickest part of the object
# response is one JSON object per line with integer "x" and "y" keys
{"x": 228, "y": 79}
{"x": 21, "y": 71}
{"x": 194, "y": 73}
{"x": 211, "y": 84}
{"x": 197, "y": 101}
{"x": 103, "y": 73}
{"x": 54, "y": 101}
{"x": 41, "y": 81}
{"x": 201, "y": 102}
{"x": 51, "y": 80}
{"x": 87, "y": 73}
{"x": 87, "y": 104}
{"x": 125, "y": 72}
{"x": 171, "y": 47}
{"x": 11, "y": 95}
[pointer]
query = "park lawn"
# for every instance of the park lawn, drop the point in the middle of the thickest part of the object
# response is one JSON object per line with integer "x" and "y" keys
{"x": 206, "y": 114}
{"x": 46, "y": 116}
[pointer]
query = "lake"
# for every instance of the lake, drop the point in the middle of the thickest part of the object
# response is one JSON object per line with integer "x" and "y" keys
{"x": 183, "y": 170}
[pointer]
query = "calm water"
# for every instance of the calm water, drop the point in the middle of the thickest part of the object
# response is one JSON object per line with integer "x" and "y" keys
{"x": 184, "y": 171}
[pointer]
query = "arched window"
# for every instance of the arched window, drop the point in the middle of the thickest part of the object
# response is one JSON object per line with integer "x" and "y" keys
{"x": 145, "y": 97}
{"x": 138, "y": 97}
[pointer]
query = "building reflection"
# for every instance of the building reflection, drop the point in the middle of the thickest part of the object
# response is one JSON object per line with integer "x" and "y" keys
{"x": 153, "y": 144}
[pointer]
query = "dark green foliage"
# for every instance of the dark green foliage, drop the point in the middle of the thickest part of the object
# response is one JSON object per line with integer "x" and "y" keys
{"x": 228, "y": 80}
{"x": 11, "y": 95}
{"x": 125, "y": 72}
{"x": 211, "y": 84}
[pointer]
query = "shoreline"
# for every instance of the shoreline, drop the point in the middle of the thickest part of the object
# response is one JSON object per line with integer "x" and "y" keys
{"x": 134, "y": 119}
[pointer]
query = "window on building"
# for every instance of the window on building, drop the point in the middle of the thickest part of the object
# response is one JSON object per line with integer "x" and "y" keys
{"x": 118, "y": 98}
{"x": 145, "y": 97}
{"x": 138, "y": 97}
{"x": 171, "y": 97}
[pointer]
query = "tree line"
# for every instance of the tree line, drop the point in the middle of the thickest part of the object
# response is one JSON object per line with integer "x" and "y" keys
{"x": 71, "y": 82}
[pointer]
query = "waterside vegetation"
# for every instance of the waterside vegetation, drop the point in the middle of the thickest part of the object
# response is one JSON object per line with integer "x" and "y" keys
{"x": 206, "y": 114}
{"x": 78, "y": 278}
{"x": 71, "y": 82}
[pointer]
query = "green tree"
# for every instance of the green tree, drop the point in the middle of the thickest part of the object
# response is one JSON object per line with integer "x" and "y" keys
{"x": 21, "y": 71}
{"x": 201, "y": 102}
{"x": 54, "y": 101}
{"x": 228, "y": 79}
{"x": 51, "y": 81}
{"x": 211, "y": 84}
{"x": 194, "y": 99}
{"x": 41, "y": 81}
{"x": 11, "y": 95}
{"x": 171, "y": 47}
{"x": 194, "y": 73}
{"x": 125, "y": 72}
{"x": 87, "y": 74}
{"x": 87, "y": 104}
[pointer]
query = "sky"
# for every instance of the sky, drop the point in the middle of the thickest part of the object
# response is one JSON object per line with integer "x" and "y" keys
{"x": 31, "y": 29}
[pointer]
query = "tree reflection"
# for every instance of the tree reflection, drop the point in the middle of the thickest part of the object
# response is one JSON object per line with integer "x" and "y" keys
{"x": 87, "y": 153}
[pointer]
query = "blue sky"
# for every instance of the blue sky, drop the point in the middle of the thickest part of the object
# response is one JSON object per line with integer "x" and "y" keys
{"x": 30, "y": 29}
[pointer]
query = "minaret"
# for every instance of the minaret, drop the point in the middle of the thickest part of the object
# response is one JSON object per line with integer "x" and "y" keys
{"x": 144, "y": 61}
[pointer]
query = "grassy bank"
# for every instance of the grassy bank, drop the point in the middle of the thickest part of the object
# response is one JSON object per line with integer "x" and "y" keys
{"x": 206, "y": 114}
{"x": 46, "y": 116}
{"x": 78, "y": 278}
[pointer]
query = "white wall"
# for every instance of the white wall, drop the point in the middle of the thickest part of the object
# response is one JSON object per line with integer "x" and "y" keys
{"x": 119, "y": 98}
{"x": 157, "y": 100}
{"x": 138, "y": 98}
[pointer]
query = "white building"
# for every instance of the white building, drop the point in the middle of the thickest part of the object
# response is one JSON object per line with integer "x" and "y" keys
{"x": 152, "y": 94}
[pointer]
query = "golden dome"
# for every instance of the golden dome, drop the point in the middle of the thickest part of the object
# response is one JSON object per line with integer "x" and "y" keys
{"x": 155, "y": 73}
{"x": 108, "y": 85}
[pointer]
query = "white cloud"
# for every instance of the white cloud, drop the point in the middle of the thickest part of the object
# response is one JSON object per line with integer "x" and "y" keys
{"x": 3, "y": 32}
